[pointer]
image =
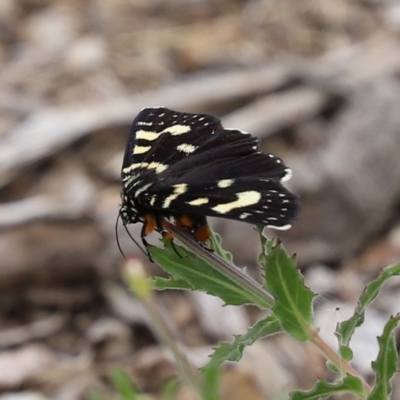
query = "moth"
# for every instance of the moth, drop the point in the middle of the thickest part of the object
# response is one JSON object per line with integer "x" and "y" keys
{"x": 184, "y": 167}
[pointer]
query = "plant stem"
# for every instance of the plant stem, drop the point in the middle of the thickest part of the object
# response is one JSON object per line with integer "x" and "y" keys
{"x": 261, "y": 297}
{"x": 335, "y": 358}
{"x": 139, "y": 284}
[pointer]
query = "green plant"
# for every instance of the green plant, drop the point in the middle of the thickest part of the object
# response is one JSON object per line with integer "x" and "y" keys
{"x": 290, "y": 306}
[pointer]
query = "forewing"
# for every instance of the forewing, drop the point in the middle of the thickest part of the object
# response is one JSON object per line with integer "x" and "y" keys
{"x": 161, "y": 139}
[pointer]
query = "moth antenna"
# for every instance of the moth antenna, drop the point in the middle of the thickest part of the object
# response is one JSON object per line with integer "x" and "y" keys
{"x": 117, "y": 237}
{"x": 129, "y": 234}
{"x": 136, "y": 242}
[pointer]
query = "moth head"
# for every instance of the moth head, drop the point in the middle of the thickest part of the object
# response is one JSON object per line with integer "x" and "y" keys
{"x": 128, "y": 211}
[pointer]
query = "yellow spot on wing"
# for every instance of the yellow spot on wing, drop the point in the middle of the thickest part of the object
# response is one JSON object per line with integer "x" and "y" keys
{"x": 147, "y": 135}
{"x": 224, "y": 183}
{"x": 179, "y": 189}
{"x": 142, "y": 189}
{"x": 158, "y": 167}
{"x": 199, "y": 201}
{"x": 141, "y": 149}
{"x": 174, "y": 130}
{"x": 177, "y": 129}
{"x": 244, "y": 199}
{"x": 186, "y": 148}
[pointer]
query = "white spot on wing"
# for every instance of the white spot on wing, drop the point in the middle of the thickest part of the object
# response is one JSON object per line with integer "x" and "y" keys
{"x": 280, "y": 228}
{"x": 224, "y": 183}
{"x": 288, "y": 175}
{"x": 186, "y": 148}
{"x": 244, "y": 199}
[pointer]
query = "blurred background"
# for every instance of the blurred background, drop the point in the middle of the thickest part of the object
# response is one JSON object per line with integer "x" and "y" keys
{"x": 317, "y": 81}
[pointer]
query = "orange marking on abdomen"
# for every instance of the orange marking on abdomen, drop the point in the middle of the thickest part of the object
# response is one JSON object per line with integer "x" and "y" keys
{"x": 184, "y": 221}
{"x": 149, "y": 223}
{"x": 168, "y": 235}
{"x": 202, "y": 233}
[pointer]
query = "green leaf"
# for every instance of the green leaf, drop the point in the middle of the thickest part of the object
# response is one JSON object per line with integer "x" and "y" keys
{"x": 323, "y": 389}
{"x": 123, "y": 385}
{"x": 232, "y": 351}
{"x": 210, "y": 383}
{"x": 293, "y": 301}
{"x": 95, "y": 394}
{"x": 170, "y": 389}
{"x": 345, "y": 330}
{"x": 160, "y": 283}
{"x": 216, "y": 245}
{"x": 199, "y": 275}
{"x": 385, "y": 365}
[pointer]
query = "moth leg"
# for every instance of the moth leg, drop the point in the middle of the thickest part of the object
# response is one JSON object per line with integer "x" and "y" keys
{"x": 166, "y": 234}
{"x": 149, "y": 225}
{"x": 170, "y": 236}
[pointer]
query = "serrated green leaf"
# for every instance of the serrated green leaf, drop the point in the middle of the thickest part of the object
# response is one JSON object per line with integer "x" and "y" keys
{"x": 160, "y": 283}
{"x": 293, "y": 300}
{"x": 323, "y": 389}
{"x": 232, "y": 351}
{"x": 385, "y": 365}
{"x": 345, "y": 330}
{"x": 216, "y": 245}
{"x": 200, "y": 275}
{"x": 346, "y": 353}
{"x": 333, "y": 367}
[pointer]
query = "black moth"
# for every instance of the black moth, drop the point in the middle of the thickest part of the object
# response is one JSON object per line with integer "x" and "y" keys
{"x": 187, "y": 166}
